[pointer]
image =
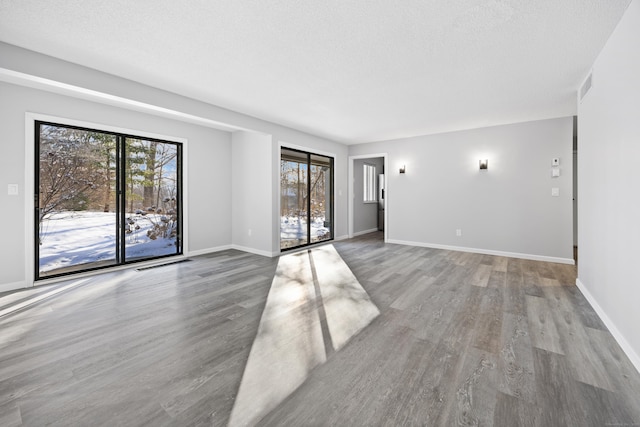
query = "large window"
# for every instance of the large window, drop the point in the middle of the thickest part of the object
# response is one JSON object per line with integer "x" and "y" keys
{"x": 103, "y": 199}
{"x": 370, "y": 179}
{"x": 306, "y": 198}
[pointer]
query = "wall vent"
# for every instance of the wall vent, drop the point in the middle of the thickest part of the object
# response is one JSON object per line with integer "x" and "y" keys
{"x": 584, "y": 89}
{"x": 163, "y": 265}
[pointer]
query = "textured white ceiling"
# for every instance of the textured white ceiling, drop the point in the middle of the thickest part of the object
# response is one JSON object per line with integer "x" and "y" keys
{"x": 349, "y": 70}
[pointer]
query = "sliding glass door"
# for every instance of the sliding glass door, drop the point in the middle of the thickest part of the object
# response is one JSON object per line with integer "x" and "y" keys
{"x": 306, "y": 198}
{"x": 103, "y": 199}
{"x": 151, "y": 221}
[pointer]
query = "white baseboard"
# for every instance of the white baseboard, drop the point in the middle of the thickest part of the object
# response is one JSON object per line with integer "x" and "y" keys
{"x": 232, "y": 246}
{"x": 278, "y": 253}
{"x": 486, "y": 252}
{"x": 624, "y": 344}
{"x": 254, "y": 251}
{"x": 209, "y": 250}
{"x": 6, "y": 287}
{"x": 360, "y": 233}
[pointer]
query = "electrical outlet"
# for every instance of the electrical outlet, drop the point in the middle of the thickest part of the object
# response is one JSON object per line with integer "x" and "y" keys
{"x": 12, "y": 189}
{"x": 459, "y": 232}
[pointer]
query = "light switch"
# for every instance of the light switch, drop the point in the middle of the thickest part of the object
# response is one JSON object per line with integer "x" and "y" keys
{"x": 555, "y": 192}
{"x": 12, "y": 189}
{"x": 555, "y": 172}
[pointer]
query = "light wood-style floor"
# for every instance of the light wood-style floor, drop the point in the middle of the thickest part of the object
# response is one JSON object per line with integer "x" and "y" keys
{"x": 462, "y": 339}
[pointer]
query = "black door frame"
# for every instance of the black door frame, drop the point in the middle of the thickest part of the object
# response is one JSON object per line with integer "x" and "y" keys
{"x": 331, "y": 197}
{"x": 120, "y": 199}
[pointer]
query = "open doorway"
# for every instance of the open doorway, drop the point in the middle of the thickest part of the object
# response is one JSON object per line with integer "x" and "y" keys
{"x": 368, "y": 195}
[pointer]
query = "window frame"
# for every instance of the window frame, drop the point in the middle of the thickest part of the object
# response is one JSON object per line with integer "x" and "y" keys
{"x": 121, "y": 136}
{"x": 330, "y": 196}
{"x": 370, "y": 183}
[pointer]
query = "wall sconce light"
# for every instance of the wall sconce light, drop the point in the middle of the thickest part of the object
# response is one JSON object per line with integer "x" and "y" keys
{"x": 402, "y": 169}
{"x": 484, "y": 164}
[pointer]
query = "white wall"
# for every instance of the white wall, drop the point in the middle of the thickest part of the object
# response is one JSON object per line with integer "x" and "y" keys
{"x": 365, "y": 215}
{"x": 609, "y": 180}
{"x": 207, "y": 150}
{"x": 32, "y": 63}
{"x": 80, "y": 93}
{"x": 252, "y": 197}
{"x": 507, "y": 209}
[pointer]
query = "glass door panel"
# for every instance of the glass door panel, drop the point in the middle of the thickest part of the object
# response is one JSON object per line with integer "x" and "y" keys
{"x": 151, "y": 214}
{"x": 76, "y": 220}
{"x": 306, "y": 198}
{"x": 293, "y": 199}
{"x": 320, "y": 212}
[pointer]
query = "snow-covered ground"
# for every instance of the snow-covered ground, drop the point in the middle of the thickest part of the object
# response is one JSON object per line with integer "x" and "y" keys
{"x": 73, "y": 238}
{"x": 295, "y": 229}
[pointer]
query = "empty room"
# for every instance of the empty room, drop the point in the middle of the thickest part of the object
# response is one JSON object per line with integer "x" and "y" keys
{"x": 350, "y": 213}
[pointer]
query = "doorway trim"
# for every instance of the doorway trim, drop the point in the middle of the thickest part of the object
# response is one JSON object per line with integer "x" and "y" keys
{"x": 351, "y": 174}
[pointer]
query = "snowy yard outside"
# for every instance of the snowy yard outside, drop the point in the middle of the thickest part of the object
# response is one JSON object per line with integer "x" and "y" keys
{"x": 295, "y": 229}
{"x": 84, "y": 237}
{"x": 74, "y": 238}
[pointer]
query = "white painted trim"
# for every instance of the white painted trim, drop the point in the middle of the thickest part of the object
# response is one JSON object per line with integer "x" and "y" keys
{"x": 617, "y": 335}
{"x": 343, "y": 237}
{"x": 360, "y": 233}
{"x": 29, "y": 183}
{"x": 29, "y": 208}
{"x": 351, "y": 178}
{"x": 209, "y": 250}
{"x": 185, "y": 197}
{"x": 386, "y": 202}
{"x": 255, "y": 251}
{"x": 544, "y": 258}
{"x": 6, "y": 287}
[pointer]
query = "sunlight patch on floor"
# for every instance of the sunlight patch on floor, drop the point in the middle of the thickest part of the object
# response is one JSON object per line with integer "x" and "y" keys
{"x": 11, "y": 308}
{"x": 347, "y": 305}
{"x": 290, "y": 341}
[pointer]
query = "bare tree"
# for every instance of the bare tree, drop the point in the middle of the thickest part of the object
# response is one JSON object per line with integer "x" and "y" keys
{"x": 74, "y": 170}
